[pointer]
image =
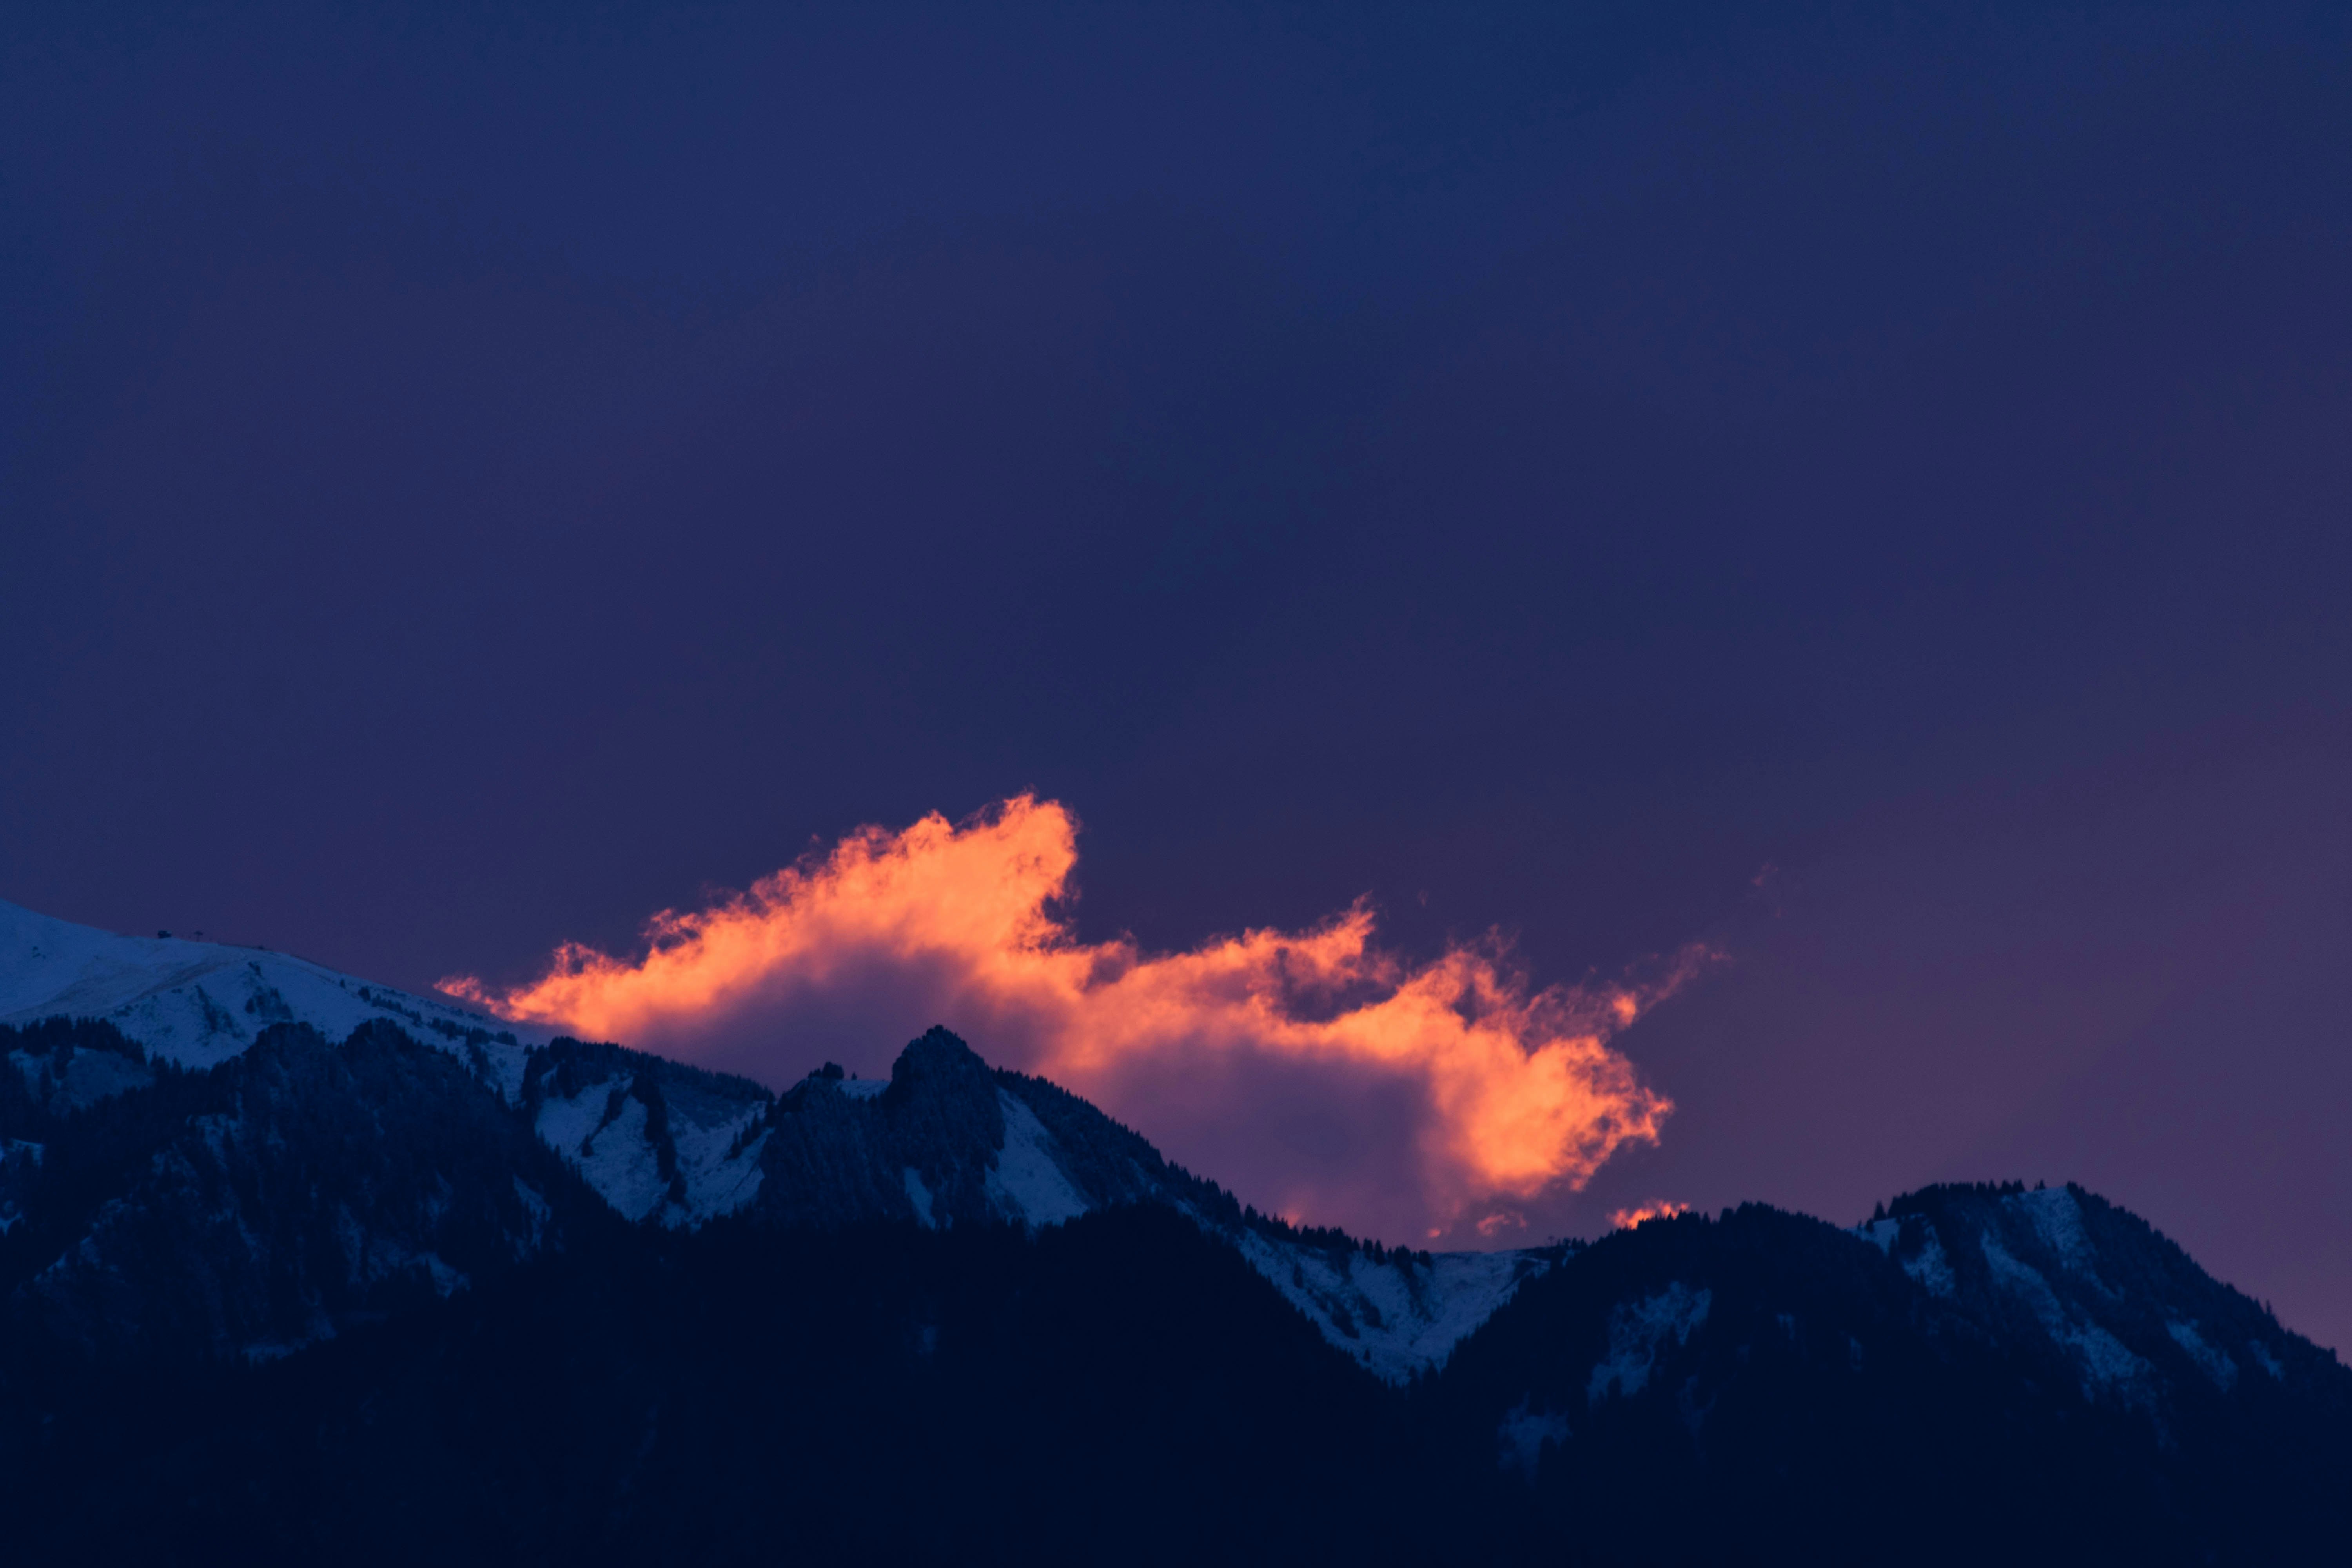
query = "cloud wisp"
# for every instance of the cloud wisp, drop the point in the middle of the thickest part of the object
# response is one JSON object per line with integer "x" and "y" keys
{"x": 1459, "y": 1088}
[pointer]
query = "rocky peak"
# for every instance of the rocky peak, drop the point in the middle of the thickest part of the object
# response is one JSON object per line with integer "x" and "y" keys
{"x": 922, "y": 1148}
{"x": 938, "y": 1062}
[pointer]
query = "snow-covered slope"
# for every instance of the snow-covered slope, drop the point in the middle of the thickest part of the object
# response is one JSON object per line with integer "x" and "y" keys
{"x": 2062, "y": 1270}
{"x": 657, "y": 1140}
{"x": 197, "y": 1004}
{"x": 1396, "y": 1314}
{"x": 200, "y": 1003}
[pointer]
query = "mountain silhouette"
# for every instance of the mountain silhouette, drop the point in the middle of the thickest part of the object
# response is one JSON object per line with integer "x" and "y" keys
{"x": 297, "y": 1267}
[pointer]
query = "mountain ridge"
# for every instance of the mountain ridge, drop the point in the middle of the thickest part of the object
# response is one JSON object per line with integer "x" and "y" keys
{"x": 333, "y": 1274}
{"x": 946, "y": 1140}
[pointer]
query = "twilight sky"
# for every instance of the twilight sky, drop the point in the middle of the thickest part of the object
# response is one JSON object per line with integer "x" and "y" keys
{"x": 1834, "y": 531}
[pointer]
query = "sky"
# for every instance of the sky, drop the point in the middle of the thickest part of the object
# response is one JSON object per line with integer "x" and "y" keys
{"x": 1495, "y": 615}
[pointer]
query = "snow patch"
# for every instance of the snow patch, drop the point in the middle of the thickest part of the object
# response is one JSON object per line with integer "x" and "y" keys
{"x": 613, "y": 1157}
{"x": 18, "y": 1152}
{"x": 920, "y": 1196}
{"x": 1638, "y": 1331}
{"x": 1027, "y": 1183}
{"x": 1881, "y": 1234}
{"x": 564, "y": 1124}
{"x": 1394, "y": 1318}
{"x": 82, "y": 1077}
{"x": 622, "y": 1164}
{"x": 370, "y": 1258}
{"x": 1523, "y": 1434}
{"x": 2212, "y": 1362}
{"x": 2058, "y": 1220}
{"x": 716, "y": 1183}
{"x": 537, "y": 1212}
{"x": 446, "y": 1281}
{"x": 1929, "y": 1266}
{"x": 2267, "y": 1361}
{"x": 2105, "y": 1364}
{"x": 624, "y": 1167}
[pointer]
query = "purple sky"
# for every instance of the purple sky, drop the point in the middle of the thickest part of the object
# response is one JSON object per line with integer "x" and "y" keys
{"x": 1866, "y": 495}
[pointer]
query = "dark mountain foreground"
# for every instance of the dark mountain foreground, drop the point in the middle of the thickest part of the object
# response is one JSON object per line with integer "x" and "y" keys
{"x": 444, "y": 1296}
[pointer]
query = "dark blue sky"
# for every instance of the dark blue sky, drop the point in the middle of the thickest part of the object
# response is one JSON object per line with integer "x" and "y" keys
{"x": 472, "y": 478}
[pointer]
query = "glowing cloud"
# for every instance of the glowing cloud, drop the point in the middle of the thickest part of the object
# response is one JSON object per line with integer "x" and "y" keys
{"x": 1660, "y": 1208}
{"x": 1506, "y": 1091}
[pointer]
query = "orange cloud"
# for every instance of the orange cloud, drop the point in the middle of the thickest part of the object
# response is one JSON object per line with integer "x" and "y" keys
{"x": 1516, "y": 1089}
{"x": 1627, "y": 1220}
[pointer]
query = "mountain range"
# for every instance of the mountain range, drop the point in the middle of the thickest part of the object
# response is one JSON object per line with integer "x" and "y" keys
{"x": 298, "y": 1267}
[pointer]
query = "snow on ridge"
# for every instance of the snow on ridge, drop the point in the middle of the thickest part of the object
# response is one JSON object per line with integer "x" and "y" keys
{"x": 1395, "y": 1318}
{"x": 200, "y": 1003}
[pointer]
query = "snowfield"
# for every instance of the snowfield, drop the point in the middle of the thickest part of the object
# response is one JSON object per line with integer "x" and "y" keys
{"x": 1395, "y": 1318}
{"x": 197, "y": 1004}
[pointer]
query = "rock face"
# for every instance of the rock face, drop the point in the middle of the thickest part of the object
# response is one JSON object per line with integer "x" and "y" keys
{"x": 946, "y": 1141}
